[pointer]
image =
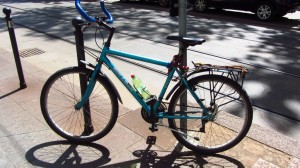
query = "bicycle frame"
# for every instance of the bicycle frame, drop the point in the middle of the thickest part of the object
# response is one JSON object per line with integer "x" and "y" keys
{"x": 104, "y": 59}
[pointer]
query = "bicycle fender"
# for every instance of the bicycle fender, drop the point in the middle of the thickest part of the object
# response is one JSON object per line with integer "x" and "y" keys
{"x": 106, "y": 79}
{"x": 173, "y": 90}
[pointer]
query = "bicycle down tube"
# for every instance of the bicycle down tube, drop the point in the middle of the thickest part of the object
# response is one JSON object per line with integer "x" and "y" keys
{"x": 111, "y": 66}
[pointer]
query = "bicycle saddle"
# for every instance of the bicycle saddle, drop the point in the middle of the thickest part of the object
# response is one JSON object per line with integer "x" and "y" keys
{"x": 187, "y": 41}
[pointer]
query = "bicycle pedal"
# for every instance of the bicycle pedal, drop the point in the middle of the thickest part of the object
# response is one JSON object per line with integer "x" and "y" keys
{"x": 151, "y": 140}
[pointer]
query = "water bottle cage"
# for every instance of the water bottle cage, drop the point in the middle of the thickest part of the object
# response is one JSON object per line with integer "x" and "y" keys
{"x": 136, "y": 90}
{"x": 139, "y": 92}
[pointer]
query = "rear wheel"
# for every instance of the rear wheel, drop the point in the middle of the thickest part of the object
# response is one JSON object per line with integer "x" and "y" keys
{"x": 62, "y": 92}
{"x": 265, "y": 11}
{"x": 227, "y": 123}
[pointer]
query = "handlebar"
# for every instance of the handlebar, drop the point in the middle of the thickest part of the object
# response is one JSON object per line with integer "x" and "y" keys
{"x": 92, "y": 19}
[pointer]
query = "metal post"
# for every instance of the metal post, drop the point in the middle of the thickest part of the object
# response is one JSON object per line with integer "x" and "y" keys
{"x": 7, "y": 12}
{"x": 183, "y": 51}
{"x": 182, "y": 18}
{"x": 78, "y": 23}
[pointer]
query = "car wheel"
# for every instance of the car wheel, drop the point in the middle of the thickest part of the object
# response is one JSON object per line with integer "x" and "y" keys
{"x": 163, "y": 2}
{"x": 200, "y": 5}
{"x": 265, "y": 11}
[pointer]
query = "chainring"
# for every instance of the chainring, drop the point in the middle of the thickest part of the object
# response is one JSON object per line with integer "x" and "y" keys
{"x": 152, "y": 119}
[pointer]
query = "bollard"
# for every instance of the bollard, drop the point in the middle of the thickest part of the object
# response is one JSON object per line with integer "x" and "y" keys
{"x": 7, "y": 12}
{"x": 77, "y": 23}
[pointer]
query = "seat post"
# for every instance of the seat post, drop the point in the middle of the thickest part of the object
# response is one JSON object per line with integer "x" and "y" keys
{"x": 183, "y": 49}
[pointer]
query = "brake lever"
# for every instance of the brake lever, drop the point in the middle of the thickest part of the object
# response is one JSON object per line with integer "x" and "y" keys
{"x": 87, "y": 25}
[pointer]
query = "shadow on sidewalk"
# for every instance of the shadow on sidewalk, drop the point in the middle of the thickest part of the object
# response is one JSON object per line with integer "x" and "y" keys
{"x": 151, "y": 158}
{"x": 66, "y": 154}
{"x": 10, "y": 93}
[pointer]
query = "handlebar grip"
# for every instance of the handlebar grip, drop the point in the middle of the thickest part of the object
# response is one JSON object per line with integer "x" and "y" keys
{"x": 89, "y": 18}
{"x": 108, "y": 15}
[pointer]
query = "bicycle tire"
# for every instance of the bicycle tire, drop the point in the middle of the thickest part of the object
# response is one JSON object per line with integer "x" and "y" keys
{"x": 226, "y": 99}
{"x": 58, "y": 98}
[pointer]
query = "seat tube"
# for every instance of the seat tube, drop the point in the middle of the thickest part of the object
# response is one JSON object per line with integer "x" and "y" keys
{"x": 184, "y": 81}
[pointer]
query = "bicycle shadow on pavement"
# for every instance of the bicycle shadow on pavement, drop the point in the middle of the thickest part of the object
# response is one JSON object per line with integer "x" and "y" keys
{"x": 175, "y": 158}
{"x": 10, "y": 93}
{"x": 66, "y": 154}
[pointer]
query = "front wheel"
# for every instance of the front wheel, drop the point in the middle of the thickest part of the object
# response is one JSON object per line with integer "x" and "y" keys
{"x": 62, "y": 92}
{"x": 226, "y": 124}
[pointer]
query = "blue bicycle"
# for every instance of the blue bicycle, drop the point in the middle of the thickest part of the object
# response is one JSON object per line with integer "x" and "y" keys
{"x": 208, "y": 112}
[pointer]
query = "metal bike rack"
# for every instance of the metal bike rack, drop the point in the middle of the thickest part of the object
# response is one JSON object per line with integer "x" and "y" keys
{"x": 78, "y": 23}
{"x": 7, "y": 12}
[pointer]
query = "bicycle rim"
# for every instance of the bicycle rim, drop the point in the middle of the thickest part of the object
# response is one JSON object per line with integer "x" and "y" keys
{"x": 231, "y": 108}
{"x": 60, "y": 94}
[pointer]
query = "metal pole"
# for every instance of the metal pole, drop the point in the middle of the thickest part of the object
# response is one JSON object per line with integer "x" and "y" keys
{"x": 7, "y": 12}
{"x": 183, "y": 51}
{"x": 182, "y": 18}
{"x": 78, "y": 23}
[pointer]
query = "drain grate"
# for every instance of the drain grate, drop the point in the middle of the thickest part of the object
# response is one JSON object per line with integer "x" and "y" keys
{"x": 30, "y": 52}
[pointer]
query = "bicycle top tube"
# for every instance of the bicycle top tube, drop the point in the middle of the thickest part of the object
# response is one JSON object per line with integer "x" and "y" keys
{"x": 92, "y": 19}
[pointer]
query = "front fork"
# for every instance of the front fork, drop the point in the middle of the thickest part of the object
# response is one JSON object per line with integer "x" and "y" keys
{"x": 86, "y": 90}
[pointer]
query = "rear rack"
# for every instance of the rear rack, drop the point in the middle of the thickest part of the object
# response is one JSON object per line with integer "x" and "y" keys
{"x": 234, "y": 72}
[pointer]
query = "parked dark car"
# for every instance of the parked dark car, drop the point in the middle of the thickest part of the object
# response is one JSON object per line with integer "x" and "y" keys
{"x": 161, "y": 2}
{"x": 264, "y": 10}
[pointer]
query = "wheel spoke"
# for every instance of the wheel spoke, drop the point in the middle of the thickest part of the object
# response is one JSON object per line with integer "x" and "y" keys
{"x": 228, "y": 104}
{"x": 59, "y": 96}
